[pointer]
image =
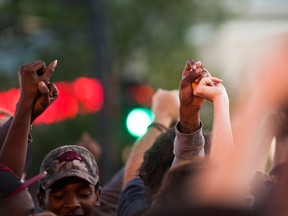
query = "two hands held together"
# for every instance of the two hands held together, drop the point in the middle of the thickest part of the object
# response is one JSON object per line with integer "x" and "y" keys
{"x": 204, "y": 86}
{"x": 197, "y": 85}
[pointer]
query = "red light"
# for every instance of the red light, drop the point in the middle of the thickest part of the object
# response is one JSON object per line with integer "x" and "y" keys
{"x": 85, "y": 95}
{"x": 89, "y": 93}
{"x": 143, "y": 94}
{"x": 66, "y": 106}
{"x": 9, "y": 99}
{"x": 139, "y": 94}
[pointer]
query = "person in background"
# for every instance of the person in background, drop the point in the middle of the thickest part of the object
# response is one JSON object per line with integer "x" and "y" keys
{"x": 179, "y": 181}
{"x": 37, "y": 93}
{"x": 91, "y": 144}
{"x": 165, "y": 105}
{"x": 139, "y": 193}
{"x": 221, "y": 187}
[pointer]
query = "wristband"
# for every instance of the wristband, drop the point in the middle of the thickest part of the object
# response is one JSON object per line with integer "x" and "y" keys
{"x": 158, "y": 126}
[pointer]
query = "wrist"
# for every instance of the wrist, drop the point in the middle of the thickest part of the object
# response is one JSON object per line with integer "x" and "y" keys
{"x": 160, "y": 127}
{"x": 188, "y": 128}
{"x": 164, "y": 120}
{"x": 190, "y": 117}
{"x": 24, "y": 105}
{"x": 23, "y": 110}
{"x": 221, "y": 98}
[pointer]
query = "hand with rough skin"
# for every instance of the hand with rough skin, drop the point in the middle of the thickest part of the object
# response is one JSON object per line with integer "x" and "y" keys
{"x": 190, "y": 104}
{"x": 37, "y": 85}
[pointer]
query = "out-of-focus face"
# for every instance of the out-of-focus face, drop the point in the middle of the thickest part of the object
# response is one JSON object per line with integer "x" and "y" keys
{"x": 72, "y": 196}
{"x": 21, "y": 204}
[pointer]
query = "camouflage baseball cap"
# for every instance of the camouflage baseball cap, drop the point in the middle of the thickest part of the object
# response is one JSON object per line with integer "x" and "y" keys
{"x": 69, "y": 161}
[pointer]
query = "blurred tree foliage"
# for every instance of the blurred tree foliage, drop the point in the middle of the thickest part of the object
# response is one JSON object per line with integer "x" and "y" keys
{"x": 147, "y": 39}
{"x": 152, "y": 34}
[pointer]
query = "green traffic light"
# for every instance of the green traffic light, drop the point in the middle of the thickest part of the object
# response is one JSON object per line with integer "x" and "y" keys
{"x": 138, "y": 120}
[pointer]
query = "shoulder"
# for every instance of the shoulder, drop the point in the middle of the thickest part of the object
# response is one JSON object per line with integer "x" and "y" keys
{"x": 134, "y": 200}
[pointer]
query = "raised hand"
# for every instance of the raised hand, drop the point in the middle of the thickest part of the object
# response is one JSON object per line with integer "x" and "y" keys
{"x": 165, "y": 106}
{"x": 191, "y": 73}
{"x": 49, "y": 94}
{"x": 36, "y": 87}
{"x": 190, "y": 104}
{"x": 210, "y": 88}
{"x": 36, "y": 94}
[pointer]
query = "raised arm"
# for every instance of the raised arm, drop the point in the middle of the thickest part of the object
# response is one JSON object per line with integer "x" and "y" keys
{"x": 43, "y": 100}
{"x": 211, "y": 89}
{"x": 227, "y": 183}
{"x": 189, "y": 141}
{"x": 36, "y": 95}
{"x": 165, "y": 106}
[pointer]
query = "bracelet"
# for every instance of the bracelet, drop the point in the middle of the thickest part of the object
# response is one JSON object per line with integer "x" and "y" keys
{"x": 158, "y": 126}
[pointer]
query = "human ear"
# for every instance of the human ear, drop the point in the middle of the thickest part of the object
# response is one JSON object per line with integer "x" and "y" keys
{"x": 98, "y": 199}
{"x": 40, "y": 198}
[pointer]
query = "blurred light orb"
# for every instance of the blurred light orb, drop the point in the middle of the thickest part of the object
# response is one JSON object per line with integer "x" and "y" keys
{"x": 138, "y": 120}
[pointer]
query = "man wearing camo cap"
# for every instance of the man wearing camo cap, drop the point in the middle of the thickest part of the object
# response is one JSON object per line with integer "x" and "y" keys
{"x": 71, "y": 186}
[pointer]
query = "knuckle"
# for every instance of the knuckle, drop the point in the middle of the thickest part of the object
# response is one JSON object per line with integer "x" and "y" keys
{"x": 39, "y": 62}
{"x": 22, "y": 68}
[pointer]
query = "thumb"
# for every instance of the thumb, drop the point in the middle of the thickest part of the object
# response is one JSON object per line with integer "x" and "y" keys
{"x": 42, "y": 87}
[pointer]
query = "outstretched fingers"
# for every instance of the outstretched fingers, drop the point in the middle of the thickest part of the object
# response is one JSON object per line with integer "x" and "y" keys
{"x": 216, "y": 80}
{"x": 210, "y": 81}
{"x": 49, "y": 71}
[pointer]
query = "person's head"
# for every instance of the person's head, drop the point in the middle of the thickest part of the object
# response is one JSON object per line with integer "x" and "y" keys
{"x": 178, "y": 185}
{"x": 14, "y": 197}
{"x": 271, "y": 185}
{"x": 71, "y": 185}
{"x": 21, "y": 204}
{"x": 157, "y": 160}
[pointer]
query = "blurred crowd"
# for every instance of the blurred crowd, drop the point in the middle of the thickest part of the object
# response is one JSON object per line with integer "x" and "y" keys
{"x": 175, "y": 168}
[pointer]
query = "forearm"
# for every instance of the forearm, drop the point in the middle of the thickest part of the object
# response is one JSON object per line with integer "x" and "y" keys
{"x": 189, "y": 123}
{"x": 13, "y": 153}
{"x": 188, "y": 146}
{"x": 136, "y": 156}
{"x": 229, "y": 180}
{"x": 4, "y": 130}
{"x": 222, "y": 137}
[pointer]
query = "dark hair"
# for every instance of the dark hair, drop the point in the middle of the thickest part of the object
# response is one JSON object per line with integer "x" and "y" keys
{"x": 175, "y": 185}
{"x": 157, "y": 160}
{"x": 272, "y": 185}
